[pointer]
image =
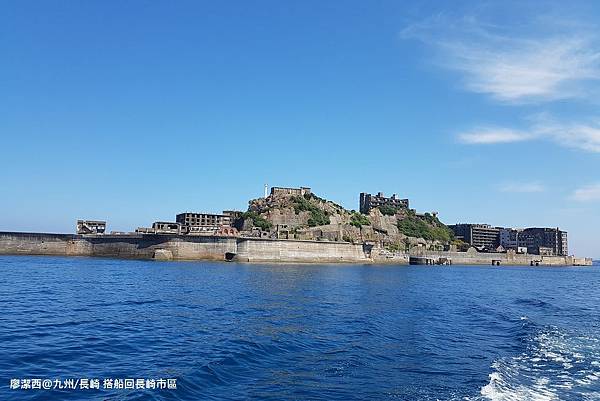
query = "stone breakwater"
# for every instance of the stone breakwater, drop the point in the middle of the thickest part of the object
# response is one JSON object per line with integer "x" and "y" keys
{"x": 130, "y": 246}
{"x": 178, "y": 247}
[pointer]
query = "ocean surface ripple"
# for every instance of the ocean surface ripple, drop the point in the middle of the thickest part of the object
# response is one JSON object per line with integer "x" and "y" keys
{"x": 231, "y": 331}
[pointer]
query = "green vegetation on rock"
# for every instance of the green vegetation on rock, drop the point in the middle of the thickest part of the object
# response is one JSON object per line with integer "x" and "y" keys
{"x": 387, "y": 210}
{"x": 302, "y": 204}
{"x": 258, "y": 220}
{"x": 358, "y": 220}
{"x": 394, "y": 247}
{"x": 347, "y": 238}
{"x": 318, "y": 217}
{"x": 427, "y": 227}
{"x": 461, "y": 246}
{"x": 315, "y": 212}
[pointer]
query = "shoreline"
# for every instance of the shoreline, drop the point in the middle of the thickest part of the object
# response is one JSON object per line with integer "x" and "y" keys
{"x": 253, "y": 250}
{"x": 283, "y": 263}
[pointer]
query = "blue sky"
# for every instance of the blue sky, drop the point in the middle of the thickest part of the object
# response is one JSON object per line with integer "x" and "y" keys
{"x": 135, "y": 111}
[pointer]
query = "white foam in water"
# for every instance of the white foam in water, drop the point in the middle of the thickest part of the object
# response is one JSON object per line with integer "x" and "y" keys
{"x": 553, "y": 367}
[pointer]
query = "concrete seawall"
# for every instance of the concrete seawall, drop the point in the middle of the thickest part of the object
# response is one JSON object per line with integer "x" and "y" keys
{"x": 268, "y": 250}
{"x": 145, "y": 246}
{"x": 472, "y": 258}
{"x": 178, "y": 247}
{"x": 130, "y": 246}
{"x": 37, "y": 244}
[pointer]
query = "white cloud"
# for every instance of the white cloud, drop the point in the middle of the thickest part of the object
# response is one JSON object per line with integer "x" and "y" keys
{"x": 537, "y": 60}
{"x": 493, "y": 135}
{"x": 587, "y": 193}
{"x": 510, "y": 68}
{"x": 582, "y": 136}
{"x": 526, "y": 70}
{"x": 522, "y": 187}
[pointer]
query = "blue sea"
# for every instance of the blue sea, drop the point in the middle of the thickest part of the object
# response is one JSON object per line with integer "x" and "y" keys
{"x": 226, "y": 331}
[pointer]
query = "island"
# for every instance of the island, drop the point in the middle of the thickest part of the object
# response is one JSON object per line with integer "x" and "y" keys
{"x": 294, "y": 225}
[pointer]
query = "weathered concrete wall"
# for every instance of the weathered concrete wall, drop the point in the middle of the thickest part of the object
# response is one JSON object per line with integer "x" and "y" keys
{"x": 384, "y": 256}
{"x": 469, "y": 258}
{"x": 267, "y": 250}
{"x": 583, "y": 261}
{"x": 145, "y": 246}
{"x": 125, "y": 246}
{"x": 117, "y": 246}
{"x": 36, "y": 243}
{"x": 245, "y": 249}
{"x": 213, "y": 248}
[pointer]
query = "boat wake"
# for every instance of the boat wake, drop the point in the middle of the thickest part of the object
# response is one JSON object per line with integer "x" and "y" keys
{"x": 554, "y": 366}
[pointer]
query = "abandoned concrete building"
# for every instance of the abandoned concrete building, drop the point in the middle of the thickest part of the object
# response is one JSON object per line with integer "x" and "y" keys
{"x": 369, "y": 201}
{"x": 167, "y": 226}
{"x": 207, "y": 220}
{"x": 545, "y": 241}
{"x": 275, "y": 191}
{"x": 194, "y": 224}
{"x": 91, "y": 227}
{"x": 226, "y": 231}
{"x": 481, "y": 236}
{"x": 535, "y": 240}
{"x": 233, "y": 214}
{"x": 161, "y": 227}
{"x": 509, "y": 239}
{"x": 202, "y": 223}
{"x": 283, "y": 231}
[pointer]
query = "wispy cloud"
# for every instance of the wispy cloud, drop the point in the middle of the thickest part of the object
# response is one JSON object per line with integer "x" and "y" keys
{"x": 513, "y": 68}
{"x": 527, "y": 70}
{"x": 493, "y": 135}
{"x": 540, "y": 60}
{"x": 581, "y": 136}
{"x": 587, "y": 193}
{"x": 584, "y": 136}
{"x": 522, "y": 187}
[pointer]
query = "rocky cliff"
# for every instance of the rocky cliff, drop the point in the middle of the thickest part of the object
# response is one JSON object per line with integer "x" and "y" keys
{"x": 310, "y": 217}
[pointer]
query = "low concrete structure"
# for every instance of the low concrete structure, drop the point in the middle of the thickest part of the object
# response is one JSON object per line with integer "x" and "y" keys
{"x": 185, "y": 247}
{"x": 163, "y": 254}
{"x": 161, "y": 227}
{"x": 91, "y": 226}
{"x": 226, "y": 231}
{"x": 274, "y": 251}
{"x": 510, "y": 258}
{"x": 126, "y": 246}
{"x": 167, "y": 227}
{"x": 277, "y": 191}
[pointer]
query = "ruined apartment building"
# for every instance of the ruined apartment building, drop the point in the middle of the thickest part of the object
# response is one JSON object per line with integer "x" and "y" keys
{"x": 536, "y": 240}
{"x": 369, "y": 201}
{"x": 198, "y": 222}
{"x": 482, "y": 236}
{"x": 542, "y": 240}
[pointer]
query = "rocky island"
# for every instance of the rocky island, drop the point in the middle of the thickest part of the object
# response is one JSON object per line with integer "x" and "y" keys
{"x": 295, "y": 225}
